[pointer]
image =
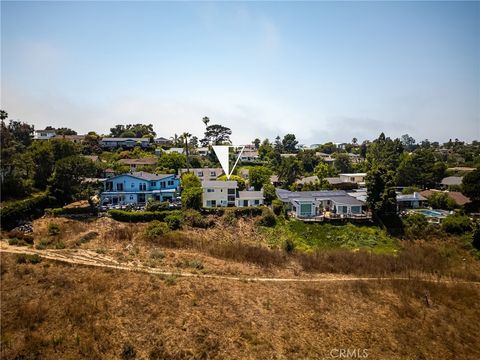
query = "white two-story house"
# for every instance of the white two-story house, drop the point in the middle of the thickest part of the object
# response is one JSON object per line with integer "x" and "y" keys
{"x": 225, "y": 193}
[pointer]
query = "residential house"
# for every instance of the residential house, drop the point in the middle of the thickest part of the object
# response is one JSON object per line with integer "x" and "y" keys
{"x": 201, "y": 151}
{"x": 354, "y": 158}
{"x": 135, "y": 163}
{"x": 357, "y": 178}
{"x": 128, "y": 143}
{"x": 304, "y": 180}
{"x": 44, "y": 134}
{"x": 324, "y": 204}
{"x": 139, "y": 187}
{"x": 225, "y": 193}
{"x": 325, "y": 157}
{"x": 249, "y": 155}
{"x": 456, "y": 196}
{"x": 204, "y": 174}
{"x": 410, "y": 201}
{"x": 162, "y": 141}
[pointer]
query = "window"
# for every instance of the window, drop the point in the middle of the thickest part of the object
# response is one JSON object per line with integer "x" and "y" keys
{"x": 210, "y": 190}
{"x": 162, "y": 184}
{"x": 305, "y": 209}
{"x": 231, "y": 191}
{"x": 200, "y": 173}
{"x": 170, "y": 182}
{"x": 212, "y": 173}
{"x": 352, "y": 179}
{"x": 214, "y": 202}
{"x": 257, "y": 202}
{"x": 153, "y": 183}
{"x": 245, "y": 202}
{"x": 131, "y": 197}
{"x": 119, "y": 187}
{"x": 132, "y": 185}
{"x": 143, "y": 187}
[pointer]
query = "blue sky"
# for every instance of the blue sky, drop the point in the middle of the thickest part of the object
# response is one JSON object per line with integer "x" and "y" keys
{"x": 326, "y": 71}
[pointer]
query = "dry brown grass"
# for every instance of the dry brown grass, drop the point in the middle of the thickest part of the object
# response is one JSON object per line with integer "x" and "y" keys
{"x": 51, "y": 310}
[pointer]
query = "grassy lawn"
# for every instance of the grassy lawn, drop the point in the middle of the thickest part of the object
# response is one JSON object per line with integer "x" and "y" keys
{"x": 311, "y": 236}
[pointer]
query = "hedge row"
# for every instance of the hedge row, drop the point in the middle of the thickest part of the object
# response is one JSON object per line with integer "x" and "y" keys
{"x": 16, "y": 212}
{"x": 71, "y": 211}
{"x": 141, "y": 216}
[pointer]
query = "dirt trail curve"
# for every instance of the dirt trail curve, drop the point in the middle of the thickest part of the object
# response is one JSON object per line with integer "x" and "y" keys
{"x": 91, "y": 258}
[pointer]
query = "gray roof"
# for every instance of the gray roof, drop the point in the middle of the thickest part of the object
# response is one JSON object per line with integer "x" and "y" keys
{"x": 206, "y": 171}
{"x": 452, "y": 180}
{"x": 222, "y": 184}
{"x": 148, "y": 176}
{"x": 337, "y": 196}
{"x": 333, "y": 180}
{"x": 411, "y": 197}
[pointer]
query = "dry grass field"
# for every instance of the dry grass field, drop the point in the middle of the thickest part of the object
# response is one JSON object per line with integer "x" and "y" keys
{"x": 56, "y": 310}
{"x": 52, "y": 310}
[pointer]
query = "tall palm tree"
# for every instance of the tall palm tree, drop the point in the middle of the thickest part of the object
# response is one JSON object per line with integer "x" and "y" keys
{"x": 175, "y": 139}
{"x": 185, "y": 137}
{"x": 206, "y": 120}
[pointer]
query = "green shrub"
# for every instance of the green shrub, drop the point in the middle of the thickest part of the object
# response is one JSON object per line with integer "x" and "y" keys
{"x": 156, "y": 229}
{"x": 16, "y": 212}
{"x": 17, "y": 242}
{"x": 53, "y": 229}
{"x": 174, "y": 221}
{"x": 192, "y": 198}
{"x": 456, "y": 224}
{"x": 140, "y": 216}
{"x": 288, "y": 245}
{"x": 229, "y": 217}
{"x": 71, "y": 211}
{"x": 16, "y": 234}
{"x": 277, "y": 206}
{"x": 154, "y": 205}
{"x": 193, "y": 218}
{"x": 28, "y": 259}
{"x": 87, "y": 237}
{"x": 268, "y": 220}
{"x": 476, "y": 236}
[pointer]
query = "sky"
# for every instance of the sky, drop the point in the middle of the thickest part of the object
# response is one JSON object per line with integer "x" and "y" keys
{"x": 325, "y": 71}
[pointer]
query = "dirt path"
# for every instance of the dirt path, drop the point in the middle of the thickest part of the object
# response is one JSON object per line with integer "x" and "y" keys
{"x": 91, "y": 258}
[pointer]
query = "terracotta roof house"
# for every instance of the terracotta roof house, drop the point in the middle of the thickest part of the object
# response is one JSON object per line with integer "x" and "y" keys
{"x": 456, "y": 196}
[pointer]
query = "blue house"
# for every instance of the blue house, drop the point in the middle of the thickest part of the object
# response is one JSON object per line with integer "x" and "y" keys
{"x": 139, "y": 187}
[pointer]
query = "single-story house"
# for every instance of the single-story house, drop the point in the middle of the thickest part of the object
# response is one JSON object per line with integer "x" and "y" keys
{"x": 134, "y": 163}
{"x": 111, "y": 142}
{"x": 44, "y": 134}
{"x": 324, "y": 203}
{"x": 162, "y": 141}
{"x": 225, "y": 193}
{"x": 411, "y": 201}
{"x": 139, "y": 187}
{"x": 204, "y": 174}
{"x": 456, "y": 196}
{"x": 249, "y": 155}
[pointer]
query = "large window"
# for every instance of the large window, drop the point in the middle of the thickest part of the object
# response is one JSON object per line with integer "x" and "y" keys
{"x": 119, "y": 187}
{"x": 305, "y": 209}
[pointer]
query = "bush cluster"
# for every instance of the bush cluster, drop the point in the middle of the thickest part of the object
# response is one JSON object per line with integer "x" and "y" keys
{"x": 20, "y": 237}
{"x": 53, "y": 229}
{"x": 157, "y": 205}
{"x": 268, "y": 220}
{"x": 28, "y": 259}
{"x": 15, "y": 212}
{"x": 156, "y": 229}
{"x": 456, "y": 224}
{"x": 193, "y": 218}
{"x": 174, "y": 221}
{"x": 140, "y": 216}
{"x": 71, "y": 211}
{"x": 277, "y": 206}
